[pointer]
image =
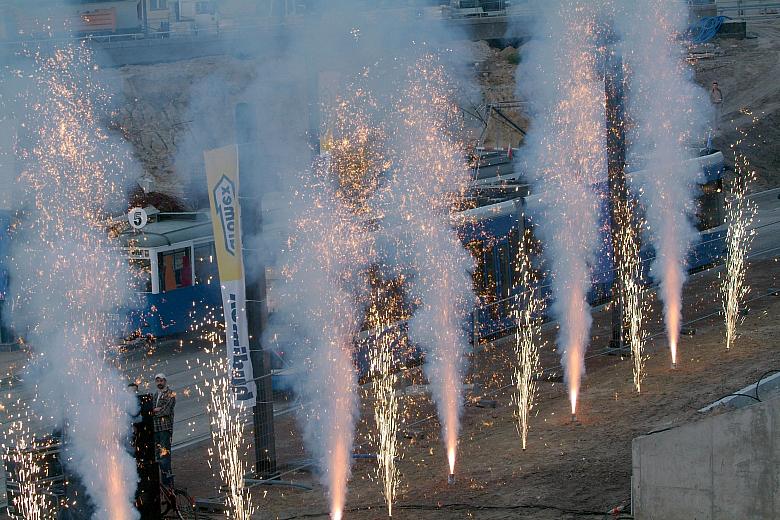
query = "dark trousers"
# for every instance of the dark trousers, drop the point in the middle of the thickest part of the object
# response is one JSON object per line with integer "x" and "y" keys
{"x": 162, "y": 443}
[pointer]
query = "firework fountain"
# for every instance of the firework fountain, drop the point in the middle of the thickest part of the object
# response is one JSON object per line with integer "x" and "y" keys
{"x": 740, "y": 212}
{"x": 321, "y": 287}
{"x": 355, "y": 142}
{"x": 529, "y": 307}
{"x": 567, "y": 157}
{"x": 665, "y": 105}
{"x": 629, "y": 305}
{"x": 28, "y": 471}
{"x": 383, "y": 382}
{"x": 629, "y": 269}
{"x": 70, "y": 277}
{"x": 227, "y": 436}
{"x": 429, "y": 175}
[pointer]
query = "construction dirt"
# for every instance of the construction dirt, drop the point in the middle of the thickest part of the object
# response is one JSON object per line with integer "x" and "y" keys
{"x": 569, "y": 470}
{"x": 746, "y": 71}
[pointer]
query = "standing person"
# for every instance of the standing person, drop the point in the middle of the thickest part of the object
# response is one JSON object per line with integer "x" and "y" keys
{"x": 716, "y": 98}
{"x": 147, "y": 494}
{"x": 164, "y": 403}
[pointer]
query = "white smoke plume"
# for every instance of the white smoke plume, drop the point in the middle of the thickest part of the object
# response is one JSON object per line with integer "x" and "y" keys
{"x": 666, "y": 108}
{"x": 69, "y": 279}
{"x": 566, "y": 157}
{"x": 322, "y": 284}
{"x": 428, "y": 176}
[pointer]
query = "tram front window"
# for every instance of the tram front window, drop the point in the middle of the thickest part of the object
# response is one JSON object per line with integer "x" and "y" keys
{"x": 175, "y": 269}
{"x": 205, "y": 264}
{"x": 141, "y": 274}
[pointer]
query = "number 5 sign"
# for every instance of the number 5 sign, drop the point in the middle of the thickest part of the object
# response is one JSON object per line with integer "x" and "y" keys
{"x": 137, "y": 218}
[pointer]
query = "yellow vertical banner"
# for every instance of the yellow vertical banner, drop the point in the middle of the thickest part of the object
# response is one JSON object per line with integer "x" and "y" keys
{"x": 222, "y": 177}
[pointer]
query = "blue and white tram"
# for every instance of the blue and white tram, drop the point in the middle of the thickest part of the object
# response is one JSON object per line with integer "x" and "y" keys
{"x": 174, "y": 270}
{"x": 491, "y": 232}
{"x": 177, "y": 278}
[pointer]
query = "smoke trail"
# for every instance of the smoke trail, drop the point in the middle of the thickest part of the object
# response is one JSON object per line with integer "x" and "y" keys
{"x": 355, "y": 140}
{"x": 429, "y": 175}
{"x": 567, "y": 157}
{"x": 69, "y": 278}
{"x": 321, "y": 285}
{"x": 665, "y": 105}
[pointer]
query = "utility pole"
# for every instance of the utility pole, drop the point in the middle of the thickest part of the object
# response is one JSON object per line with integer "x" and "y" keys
{"x": 145, "y": 17}
{"x": 618, "y": 194}
{"x": 256, "y": 305}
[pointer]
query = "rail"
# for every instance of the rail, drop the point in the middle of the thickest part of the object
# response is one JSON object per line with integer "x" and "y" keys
{"x": 749, "y": 9}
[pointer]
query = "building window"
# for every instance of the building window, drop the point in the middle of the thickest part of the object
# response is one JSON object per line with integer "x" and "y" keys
{"x": 206, "y": 264}
{"x": 205, "y": 8}
{"x": 175, "y": 269}
{"x": 158, "y": 5}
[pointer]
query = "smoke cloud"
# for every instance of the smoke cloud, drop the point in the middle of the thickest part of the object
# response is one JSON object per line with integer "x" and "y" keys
{"x": 666, "y": 107}
{"x": 315, "y": 240}
{"x": 566, "y": 159}
{"x": 69, "y": 279}
{"x": 428, "y": 175}
{"x": 322, "y": 283}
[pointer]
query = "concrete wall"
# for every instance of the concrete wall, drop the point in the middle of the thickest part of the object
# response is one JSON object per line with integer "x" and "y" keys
{"x": 722, "y": 467}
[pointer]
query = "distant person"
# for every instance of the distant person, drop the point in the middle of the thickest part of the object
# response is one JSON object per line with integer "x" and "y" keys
{"x": 164, "y": 403}
{"x": 716, "y": 98}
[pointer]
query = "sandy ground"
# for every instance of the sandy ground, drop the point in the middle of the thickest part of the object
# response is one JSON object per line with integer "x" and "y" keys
{"x": 570, "y": 470}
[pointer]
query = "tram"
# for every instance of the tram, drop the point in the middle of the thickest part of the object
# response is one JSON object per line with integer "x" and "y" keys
{"x": 174, "y": 267}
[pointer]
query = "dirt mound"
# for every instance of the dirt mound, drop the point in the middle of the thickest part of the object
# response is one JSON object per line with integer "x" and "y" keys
{"x": 747, "y": 72}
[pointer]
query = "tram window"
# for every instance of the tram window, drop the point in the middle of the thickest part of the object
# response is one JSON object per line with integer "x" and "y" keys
{"x": 175, "y": 269}
{"x": 505, "y": 266}
{"x": 206, "y": 271}
{"x": 710, "y": 206}
{"x": 489, "y": 294}
{"x": 141, "y": 274}
{"x": 505, "y": 270}
{"x": 534, "y": 246}
{"x": 514, "y": 251}
{"x": 475, "y": 248}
